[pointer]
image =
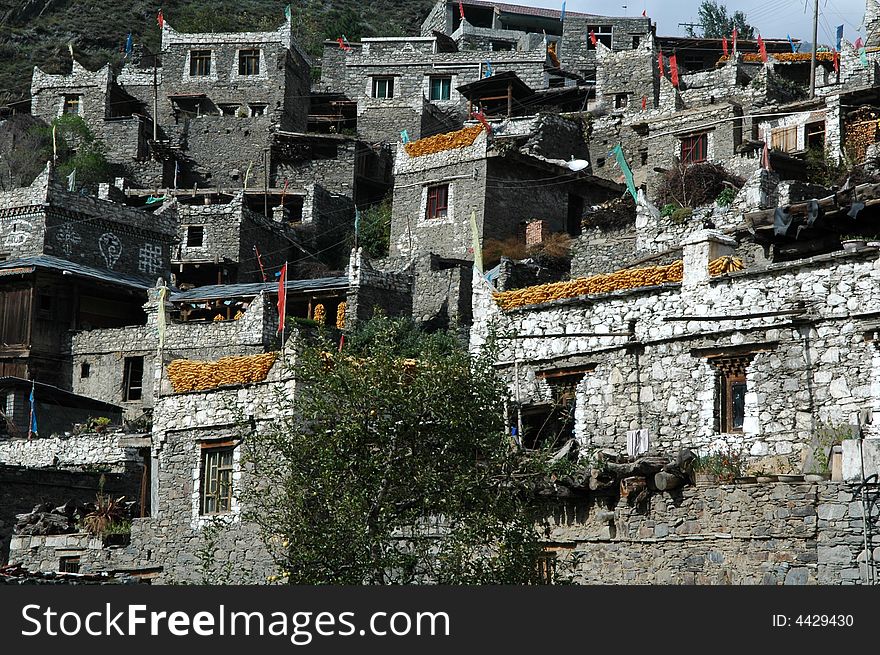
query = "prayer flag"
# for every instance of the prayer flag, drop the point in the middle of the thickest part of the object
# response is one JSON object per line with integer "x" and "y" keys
{"x": 839, "y": 36}
{"x": 160, "y": 317}
{"x": 282, "y": 297}
{"x": 724, "y": 46}
{"x": 475, "y": 235}
{"x": 660, "y": 64}
{"x": 160, "y": 19}
{"x": 357, "y": 223}
{"x": 858, "y": 43}
{"x": 863, "y": 57}
{"x": 70, "y": 47}
{"x": 176, "y": 171}
{"x": 645, "y": 13}
{"x": 287, "y": 12}
{"x": 762, "y": 49}
{"x": 562, "y": 15}
{"x": 593, "y": 38}
{"x": 836, "y": 61}
{"x": 734, "y": 39}
{"x": 624, "y": 167}
{"x": 32, "y": 427}
{"x": 71, "y": 181}
{"x": 404, "y": 136}
{"x": 129, "y": 45}
{"x": 765, "y": 159}
{"x": 644, "y": 103}
{"x": 460, "y": 10}
{"x": 488, "y": 69}
{"x": 791, "y": 43}
{"x": 673, "y": 70}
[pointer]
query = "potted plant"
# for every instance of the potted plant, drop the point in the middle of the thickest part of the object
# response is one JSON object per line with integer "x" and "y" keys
{"x": 100, "y": 424}
{"x": 721, "y": 466}
{"x": 107, "y": 513}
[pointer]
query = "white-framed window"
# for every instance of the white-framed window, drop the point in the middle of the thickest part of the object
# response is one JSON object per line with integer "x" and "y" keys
{"x": 216, "y": 478}
{"x": 249, "y": 61}
{"x": 604, "y": 34}
{"x": 383, "y": 88}
{"x": 438, "y": 202}
{"x": 440, "y": 87}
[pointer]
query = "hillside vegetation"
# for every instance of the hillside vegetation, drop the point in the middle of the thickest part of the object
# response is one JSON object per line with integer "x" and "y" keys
{"x": 38, "y": 32}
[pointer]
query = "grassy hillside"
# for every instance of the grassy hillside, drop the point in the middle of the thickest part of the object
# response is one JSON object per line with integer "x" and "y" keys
{"x": 37, "y": 32}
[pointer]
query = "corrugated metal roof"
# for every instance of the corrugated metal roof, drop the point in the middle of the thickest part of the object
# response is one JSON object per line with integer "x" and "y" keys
{"x": 218, "y": 291}
{"x": 72, "y": 268}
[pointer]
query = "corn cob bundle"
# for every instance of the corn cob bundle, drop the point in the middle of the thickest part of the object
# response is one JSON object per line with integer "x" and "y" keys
{"x": 340, "y": 316}
{"x": 727, "y": 264}
{"x": 320, "y": 314}
{"x": 755, "y": 57}
{"x": 440, "y": 142}
{"x": 191, "y": 375}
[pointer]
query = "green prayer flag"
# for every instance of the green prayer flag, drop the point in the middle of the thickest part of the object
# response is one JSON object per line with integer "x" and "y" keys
{"x": 863, "y": 57}
{"x": 617, "y": 151}
{"x": 287, "y": 12}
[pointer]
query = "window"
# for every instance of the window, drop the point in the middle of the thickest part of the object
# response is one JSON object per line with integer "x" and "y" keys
{"x": 694, "y": 148}
{"x": 248, "y": 62}
{"x": 85, "y": 369}
{"x": 68, "y": 564}
{"x": 199, "y": 62}
{"x": 228, "y": 110}
{"x": 44, "y": 305}
{"x": 545, "y": 565}
{"x": 195, "y": 236}
{"x": 133, "y": 378}
{"x": 501, "y": 46}
{"x": 600, "y": 162}
{"x": 731, "y": 396}
{"x": 621, "y": 100}
{"x": 636, "y": 41}
{"x": 440, "y": 88}
{"x": 258, "y": 109}
{"x": 556, "y": 82}
{"x": 72, "y": 104}
{"x": 552, "y": 425}
{"x": 784, "y": 138}
{"x": 602, "y": 33}
{"x": 438, "y": 201}
{"x": 216, "y": 479}
{"x": 815, "y": 135}
{"x": 383, "y": 87}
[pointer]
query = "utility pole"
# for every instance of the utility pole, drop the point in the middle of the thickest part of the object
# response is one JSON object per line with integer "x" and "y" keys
{"x": 813, "y": 59}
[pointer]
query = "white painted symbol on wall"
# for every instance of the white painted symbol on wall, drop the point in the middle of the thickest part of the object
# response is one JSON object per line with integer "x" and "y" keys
{"x": 68, "y": 239}
{"x": 19, "y": 234}
{"x": 150, "y": 258}
{"x": 110, "y": 247}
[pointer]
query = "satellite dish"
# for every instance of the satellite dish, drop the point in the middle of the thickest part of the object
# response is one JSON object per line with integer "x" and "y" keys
{"x": 577, "y": 164}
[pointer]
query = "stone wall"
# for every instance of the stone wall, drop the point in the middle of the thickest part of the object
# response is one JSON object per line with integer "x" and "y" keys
{"x": 816, "y": 369}
{"x": 575, "y": 51}
{"x": 602, "y": 250}
{"x": 768, "y": 534}
{"x": 102, "y": 450}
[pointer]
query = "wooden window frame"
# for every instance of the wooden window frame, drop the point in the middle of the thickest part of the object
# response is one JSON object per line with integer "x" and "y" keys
{"x": 200, "y": 63}
{"x": 545, "y": 567}
{"x": 695, "y": 148}
{"x": 437, "y": 204}
{"x": 69, "y": 564}
{"x": 132, "y": 392}
{"x": 731, "y": 374}
{"x": 216, "y": 469}
{"x": 192, "y": 230}
{"x": 72, "y": 105}
{"x": 249, "y": 62}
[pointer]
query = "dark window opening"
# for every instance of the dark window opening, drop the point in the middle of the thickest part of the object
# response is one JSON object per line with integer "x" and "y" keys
{"x": 228, "y": 110}
{"x": 85, "y": 370}
{"x": 621, "y": 100}
{"x": 248, "y": 62}
{"x": 216, "y": 480}
{"x": 815, "y": 135}
{"x": 199, "y": 62}
{"x": 72, "y": 104}
{"x": 694, "y": 148}
{"x": 603, "y": 34}
{"x": 501, "y": 46}
{"x": 438, "y": 201}
{"x": 600, "y": 162}
{"x": 441, "y": 87}
{"x": 383, "y": 87}
{"x": 195, "y": 236}
{"x": 133, "y": 378}
{"x": 258, "y": 109}
{"x": 731, "y": 392}
{"x": 556, "y": 82}
{"x": 637, "y": 39}
{"x": 643, "y": 157}
{"x": 589, "y": 75}
{"x": 69, "y": 564}
{"x": 545, "y": 566}
{"x": 575, "y": 215}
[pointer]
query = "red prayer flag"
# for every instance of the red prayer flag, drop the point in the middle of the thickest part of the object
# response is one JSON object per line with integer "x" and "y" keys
{"x": 645, "y": 13}
{"x": 836, "y": 62}
{"x": 460, "y": 9}
{"x": 762, "y": 48}
{"x": 673, "y": 71}
{"x": 724, "y": 46}
{"x": 660, "y": 64}
{"x": 160, "y": 19}
{"x": 644, "y": 103}
{"x": 858, "y": 43}
{"x": 765, "y": 159}
{"x": 734, "y": 38}
{"x": 282, "y": 297}
{"x": 593, "y": 39}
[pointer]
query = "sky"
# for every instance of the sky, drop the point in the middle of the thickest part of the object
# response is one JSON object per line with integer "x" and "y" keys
{"x": 772, "y": 18}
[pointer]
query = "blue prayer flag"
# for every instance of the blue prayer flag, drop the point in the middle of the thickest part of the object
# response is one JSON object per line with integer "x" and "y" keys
{"x": 562, "y": 16}
{"x": 793, "y": 46}
{"x": 404, "y": 136}
{"x": 32, "y": 428}
{"x": 617, "y": 151}
{"x": 839, "y": 36}
{"x": 129, "y": 45}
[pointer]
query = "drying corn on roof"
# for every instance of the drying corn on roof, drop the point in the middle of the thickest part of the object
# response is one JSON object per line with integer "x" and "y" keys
{"x": 755, "y": 57}
{"x": 629, "y": 278}
{"x": 440, "y": 142}
{"x": 191, "y": 375}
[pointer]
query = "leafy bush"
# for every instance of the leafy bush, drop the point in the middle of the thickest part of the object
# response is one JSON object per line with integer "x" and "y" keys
{"x": 668, "y": 210}
{"x": 108, "y": 511}
{"x": 723, "y": 463}
{"x": 726, "y": 197}
{"x": 681, "y": 215}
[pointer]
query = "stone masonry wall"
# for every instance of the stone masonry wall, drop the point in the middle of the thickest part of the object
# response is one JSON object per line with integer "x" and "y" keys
{"x": 768, "y": 534}
{"x": 69, "y": 452}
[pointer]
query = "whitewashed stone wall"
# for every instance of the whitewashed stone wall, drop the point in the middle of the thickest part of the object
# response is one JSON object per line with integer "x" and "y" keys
{"x": 71, "y": 452}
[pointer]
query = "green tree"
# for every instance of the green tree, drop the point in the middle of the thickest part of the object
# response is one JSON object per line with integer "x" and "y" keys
{"x": 77, "y": 149}
{"x": 394, "y": 470}
{"x": 374, "y": 233}
{"x": 716, "y": 22}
